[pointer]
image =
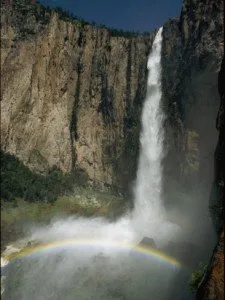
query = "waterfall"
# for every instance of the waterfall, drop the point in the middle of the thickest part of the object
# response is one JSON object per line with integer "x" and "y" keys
{"x": 76, "y": 248}
{"x": 149, "y": 216}
{"x": 148, "y": 202}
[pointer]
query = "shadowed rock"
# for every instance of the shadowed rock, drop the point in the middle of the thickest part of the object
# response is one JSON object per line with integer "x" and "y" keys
{"x": 147, "y": 242}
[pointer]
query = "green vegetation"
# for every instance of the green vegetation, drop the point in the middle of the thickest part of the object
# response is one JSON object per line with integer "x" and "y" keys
{"x": 28, "y": 198}
{"x": 197, "y": 276}
{"x": 18, "y": 181}
{"x": 28, "y": 18}
{"x": 18, "y": 215}
{"x": 25, "y": 10}
{"x": 70, "y": 17}
{"x": 82, "y": 202}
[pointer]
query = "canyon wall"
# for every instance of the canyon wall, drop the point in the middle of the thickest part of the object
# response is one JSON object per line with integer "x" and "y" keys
{"x": 212, "y": 285}
{"x": 72, "y": 93}
{"x": 192, "y": 55}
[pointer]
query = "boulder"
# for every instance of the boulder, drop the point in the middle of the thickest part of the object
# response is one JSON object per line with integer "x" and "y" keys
{"x": 147, "y": 242}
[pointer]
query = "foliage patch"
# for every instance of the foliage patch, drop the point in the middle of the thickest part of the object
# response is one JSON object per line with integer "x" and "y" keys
{"x": 18, "y": 181}
{"x": 197, "y": 276}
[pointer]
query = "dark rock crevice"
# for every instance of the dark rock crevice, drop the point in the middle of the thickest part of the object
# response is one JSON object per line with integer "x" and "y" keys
{"x": 73, "y": 123}
{"x": 217, "y": 195}
{"x": 106, "y": 105}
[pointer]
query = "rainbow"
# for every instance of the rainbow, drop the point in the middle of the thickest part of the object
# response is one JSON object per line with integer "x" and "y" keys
{"x": 145, "y": 250}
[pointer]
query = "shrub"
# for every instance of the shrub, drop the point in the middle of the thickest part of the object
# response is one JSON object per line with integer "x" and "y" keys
{"x": 197, "y": 276}
{"x": 18, "y": 181}
{"x": 24, "y": 8}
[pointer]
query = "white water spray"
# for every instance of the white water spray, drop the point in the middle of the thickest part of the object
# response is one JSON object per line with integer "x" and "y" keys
{"x": 149, "y": 216}
{"x": 148, "y": 202}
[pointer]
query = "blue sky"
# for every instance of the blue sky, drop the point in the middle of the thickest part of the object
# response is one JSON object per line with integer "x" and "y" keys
{"x": 137, "y": 15}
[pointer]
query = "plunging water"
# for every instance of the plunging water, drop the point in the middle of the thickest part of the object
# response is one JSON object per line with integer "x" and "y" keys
{"x": 148, "y": 204}
{"x": 69, "y": 270}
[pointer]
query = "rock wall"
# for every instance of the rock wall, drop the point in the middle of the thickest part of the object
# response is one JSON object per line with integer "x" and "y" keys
{"x": 212, "y": 285}
{"x": 71, "y": 94}
{"x": 192, "y": 55}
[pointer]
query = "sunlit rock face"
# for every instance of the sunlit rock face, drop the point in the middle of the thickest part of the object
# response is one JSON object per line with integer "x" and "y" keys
{"x": 71, "y": 94}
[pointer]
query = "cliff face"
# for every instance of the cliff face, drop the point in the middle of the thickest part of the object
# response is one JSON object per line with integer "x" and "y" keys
{"x": 192, "y": 54}
{"x": 212, "y": 286}
{"x": 71, "y": 95}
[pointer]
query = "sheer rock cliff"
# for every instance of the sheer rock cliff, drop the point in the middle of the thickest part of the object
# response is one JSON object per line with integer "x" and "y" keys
{"x": 212, "y": 285}
{"x": 72, "y": 93}
{"x": 192, "y": 54}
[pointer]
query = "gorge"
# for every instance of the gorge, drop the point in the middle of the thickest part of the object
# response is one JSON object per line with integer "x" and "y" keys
{"x": 147, "y": 219}
{"x": 67, "y": 103}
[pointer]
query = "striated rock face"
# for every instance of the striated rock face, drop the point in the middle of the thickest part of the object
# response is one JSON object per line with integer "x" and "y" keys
{"x": 71, "y": 95}
{"x": 192, "y": 55}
